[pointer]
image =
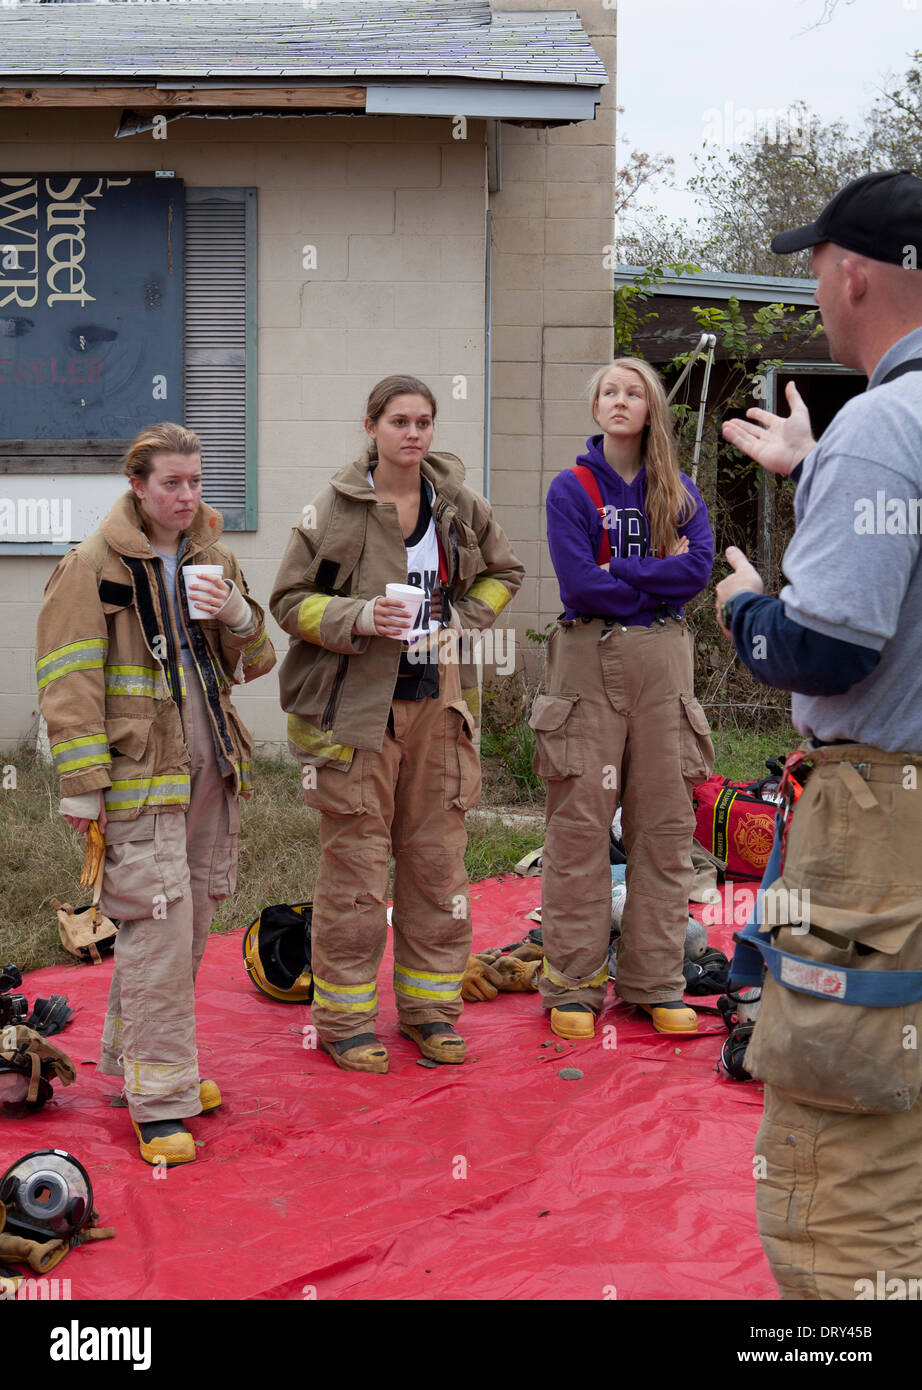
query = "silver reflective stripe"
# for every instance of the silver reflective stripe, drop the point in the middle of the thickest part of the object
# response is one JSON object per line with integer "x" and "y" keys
{"x": 425, "y": 986}
{"x": 131, "y": 792}
{"x": 252, "y": 652}
{"x": 133, "y": 680}
{"x": 76, "y": 753}
{"x": 345, "y": 998}
{"x": 76, "y": 656}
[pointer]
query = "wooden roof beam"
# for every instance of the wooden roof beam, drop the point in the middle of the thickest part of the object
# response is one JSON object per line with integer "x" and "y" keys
{"x": 288, "y": 98}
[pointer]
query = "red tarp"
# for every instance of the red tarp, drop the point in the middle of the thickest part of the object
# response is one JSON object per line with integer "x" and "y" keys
{"x": 495, "y": 1179}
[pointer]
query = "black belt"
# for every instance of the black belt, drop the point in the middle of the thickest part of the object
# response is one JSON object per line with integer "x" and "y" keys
{"x": 666, "y": 610}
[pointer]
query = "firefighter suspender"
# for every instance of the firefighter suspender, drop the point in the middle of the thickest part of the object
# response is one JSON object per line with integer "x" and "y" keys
{"x": 587, "y": 478}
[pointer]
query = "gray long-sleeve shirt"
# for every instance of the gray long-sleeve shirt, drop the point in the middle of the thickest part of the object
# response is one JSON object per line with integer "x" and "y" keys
{"x": 853, "y": 563}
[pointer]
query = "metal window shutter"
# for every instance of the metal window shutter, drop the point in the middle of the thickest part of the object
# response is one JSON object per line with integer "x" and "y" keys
{"x": 215, "y": 344}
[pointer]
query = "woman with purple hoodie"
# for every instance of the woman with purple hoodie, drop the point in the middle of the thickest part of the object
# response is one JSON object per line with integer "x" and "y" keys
{"x": 630, "y": 542}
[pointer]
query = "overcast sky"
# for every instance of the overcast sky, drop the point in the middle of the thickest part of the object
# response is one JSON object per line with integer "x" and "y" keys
{"x": 678, "y": 59}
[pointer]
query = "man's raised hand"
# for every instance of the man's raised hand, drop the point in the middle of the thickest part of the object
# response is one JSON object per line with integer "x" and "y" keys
{"x": 776, "y": 443}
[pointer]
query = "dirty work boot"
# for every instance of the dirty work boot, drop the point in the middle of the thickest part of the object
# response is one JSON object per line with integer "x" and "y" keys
{"x": 572, "y": 1021}
{"x": 364, "y": 1052}
{"x": 165, "y": 1141}
{"x": 672, "y": 1017}
{"x": 437, "y": 1041}
{"x": 209, "y": 1095}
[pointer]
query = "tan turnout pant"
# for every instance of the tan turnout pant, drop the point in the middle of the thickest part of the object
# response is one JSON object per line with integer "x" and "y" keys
{"x": 165, "y": 875}
{"x": 409, "y": 799}
{"x": 837, "y": 1158}
{"x": 619, "y": 723}
{"x": 839, "y": 1200}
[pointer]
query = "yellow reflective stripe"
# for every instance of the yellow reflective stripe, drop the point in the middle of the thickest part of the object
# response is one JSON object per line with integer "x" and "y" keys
{"x": 428, "y": 975}
{"x": 313, "y": 742}
{"x": 76, "y": 656}
{"x": 366, "y": 989}
{"x": 133, "y": 680}
{"x": 254, "y": 650}
{"x": 352, "y": 999}
{"x": 244, "y": 775}
{"x": 59, "y": 653}
{"x": 182, "y": 682}
{"x": 490, "y": 592}
{"x": 472, "y": 699}
{"x": 89, "y": 751}
{"x": 421, "y": 984}
{"x": 160, "y": 791}
{"x": 310, "y": 615}
{"x": 555, "y": 979}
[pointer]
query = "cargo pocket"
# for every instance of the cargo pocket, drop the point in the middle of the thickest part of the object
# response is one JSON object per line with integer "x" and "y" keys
{"x": 128, "y": 738}
{"x": 785, "y": 1167}
{"x": 557, "y": 749}
{"x": 461, "y": 786}
{"x": 825, "y": 1051}
{"x": 222, "y": 879}
{"x": 145, "y": 867}
{"x": 697, "y": 750}
{"x": 332, "y": 790}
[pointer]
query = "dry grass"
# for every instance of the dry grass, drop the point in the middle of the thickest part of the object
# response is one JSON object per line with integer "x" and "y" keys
{"x": 41, "y": 856}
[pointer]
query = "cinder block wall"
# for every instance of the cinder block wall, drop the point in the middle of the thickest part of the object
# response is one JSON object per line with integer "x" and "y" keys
{"x": 552, "y": 309}
{"x": 396, "y": 208}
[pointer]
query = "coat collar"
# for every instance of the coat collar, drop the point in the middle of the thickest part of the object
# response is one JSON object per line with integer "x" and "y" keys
{"x": 444, "y": 471}
{"x": 124, "y": 531}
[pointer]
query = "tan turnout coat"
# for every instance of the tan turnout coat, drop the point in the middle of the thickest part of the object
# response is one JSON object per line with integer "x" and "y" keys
{"x": 349, "y": 547}
{"x": 108, "y": 664}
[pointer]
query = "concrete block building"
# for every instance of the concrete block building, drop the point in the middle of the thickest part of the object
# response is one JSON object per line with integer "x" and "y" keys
{"x": 243, "y": 215}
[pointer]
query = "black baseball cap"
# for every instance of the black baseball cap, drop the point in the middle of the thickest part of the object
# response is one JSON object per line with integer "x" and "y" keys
{"x": 878, "y": 215}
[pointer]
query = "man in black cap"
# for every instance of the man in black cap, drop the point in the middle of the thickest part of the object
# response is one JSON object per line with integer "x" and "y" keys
{"x": 838, "y": 1041}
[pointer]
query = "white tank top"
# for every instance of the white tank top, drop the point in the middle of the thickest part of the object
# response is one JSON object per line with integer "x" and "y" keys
{"x": 422, "y": 565}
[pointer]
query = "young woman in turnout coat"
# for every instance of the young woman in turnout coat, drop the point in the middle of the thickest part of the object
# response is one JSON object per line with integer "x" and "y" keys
{"x": 383, "y": 734}
{"x": 146, "y": 742}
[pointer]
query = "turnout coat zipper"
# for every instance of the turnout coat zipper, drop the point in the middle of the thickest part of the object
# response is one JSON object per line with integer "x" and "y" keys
{"x": 347, "y": 550}
{"x": 107, "y": 665}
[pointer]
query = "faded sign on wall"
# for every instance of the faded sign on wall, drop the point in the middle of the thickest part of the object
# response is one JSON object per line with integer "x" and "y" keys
{"x": 90, "y": 305}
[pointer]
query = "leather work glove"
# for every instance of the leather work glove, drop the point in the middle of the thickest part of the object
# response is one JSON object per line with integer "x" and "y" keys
{"x": 528, "y": 950}
{"x": 481, "y": 982}
{"x": 40, "y": 1257}
{"x": 516, "y": 974}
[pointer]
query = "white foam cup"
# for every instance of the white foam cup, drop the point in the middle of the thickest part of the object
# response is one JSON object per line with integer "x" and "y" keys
{"x": 191, "y": 573}
{"x": 411, "y": 597}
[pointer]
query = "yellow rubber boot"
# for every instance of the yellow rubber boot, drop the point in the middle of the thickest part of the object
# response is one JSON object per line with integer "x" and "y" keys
{"x": 440, "y": 1046}
{"x": 209, "y": 1095}
{"x": 168, "y": 1149}
{"x": 573, "y": 1023}
{"x": 364, "y": 1052}
{"x": 672, "y": 1017}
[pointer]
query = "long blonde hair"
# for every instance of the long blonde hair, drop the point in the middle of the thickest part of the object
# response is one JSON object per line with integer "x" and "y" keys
{"x": 668, "y": 503}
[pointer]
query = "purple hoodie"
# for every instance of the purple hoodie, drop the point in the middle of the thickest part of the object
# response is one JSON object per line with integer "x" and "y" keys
{"x": 639, "y": 583}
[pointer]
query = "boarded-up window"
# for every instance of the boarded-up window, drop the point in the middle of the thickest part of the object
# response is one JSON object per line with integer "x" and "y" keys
{"x": 219, "y": 346}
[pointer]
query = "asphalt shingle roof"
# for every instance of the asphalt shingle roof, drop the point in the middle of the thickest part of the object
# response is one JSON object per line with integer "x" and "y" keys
{"x": 383, "y": 39}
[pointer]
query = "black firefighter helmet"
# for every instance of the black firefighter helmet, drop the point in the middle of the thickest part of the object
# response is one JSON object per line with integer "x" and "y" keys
{"x": 277, "y": 952}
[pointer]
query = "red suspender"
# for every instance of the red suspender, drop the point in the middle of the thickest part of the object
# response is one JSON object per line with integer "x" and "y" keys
{"x": 443, "y": 567}
{"x": 588, "y": 480}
